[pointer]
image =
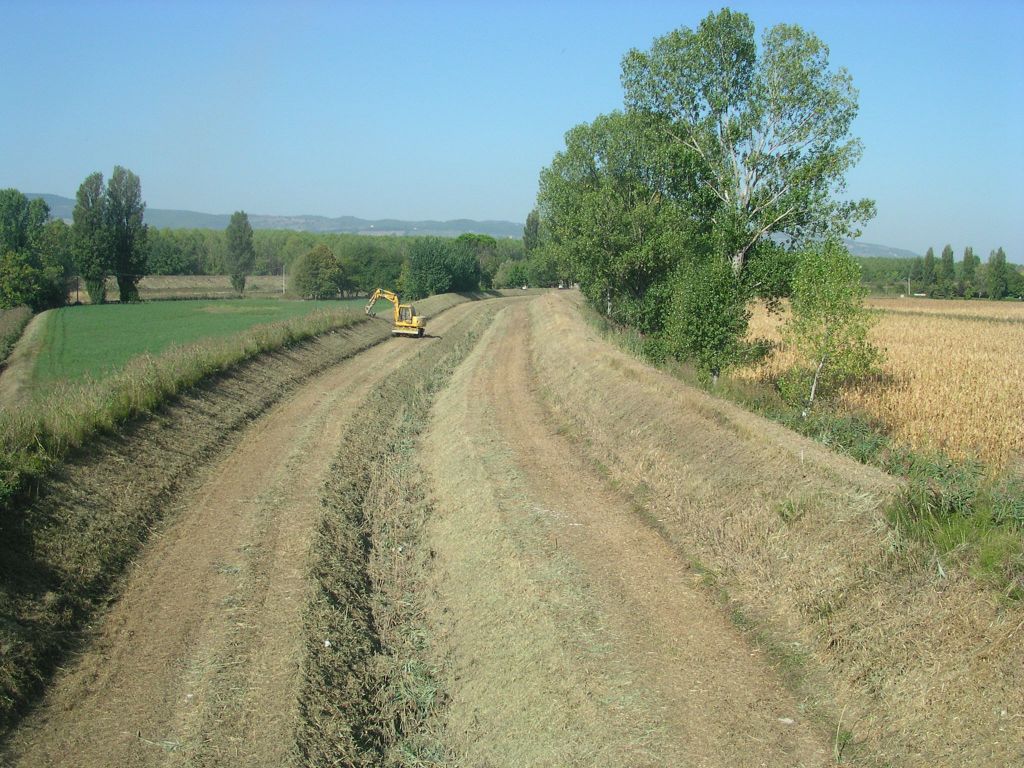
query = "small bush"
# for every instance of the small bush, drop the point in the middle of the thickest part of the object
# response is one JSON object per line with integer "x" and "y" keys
{"x": 317, "y": 274}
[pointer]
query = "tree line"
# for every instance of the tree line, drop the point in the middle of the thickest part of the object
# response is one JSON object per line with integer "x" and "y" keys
{"x": 968, "y": 278}
{"x": 902, "y": 275}
{"x": 40, "y": 258}
{"x": 719, "y": 183}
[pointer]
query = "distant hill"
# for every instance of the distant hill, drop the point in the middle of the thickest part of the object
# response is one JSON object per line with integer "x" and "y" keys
{"x": 871, "y": 250}
{"x": 61, "y": 208}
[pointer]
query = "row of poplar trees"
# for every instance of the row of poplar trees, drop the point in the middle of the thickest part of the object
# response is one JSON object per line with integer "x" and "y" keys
{"x": 110, "y": 237}
{"x": 945, "y": 278}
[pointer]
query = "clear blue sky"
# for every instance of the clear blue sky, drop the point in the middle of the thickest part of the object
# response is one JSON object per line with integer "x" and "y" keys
{"x": 450, "y": 109}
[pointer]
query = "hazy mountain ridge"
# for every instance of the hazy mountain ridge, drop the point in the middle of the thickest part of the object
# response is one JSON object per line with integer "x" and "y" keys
{"x": 61, "y": 208}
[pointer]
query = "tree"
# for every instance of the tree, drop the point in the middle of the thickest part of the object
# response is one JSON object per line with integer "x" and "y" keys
{"x": 483, "y": 249}
{"x": 829, "y": 325}
{"x": 610, "y": 220}
{"x": 29, "y": 275}
{"x": 769, "y": 130}
{"x": 708, "y": 317}
{"x": 126, "y": 232}
{"x": 464, "y": 268}
{"x": 427, "y": 269}
{"x": 317, "y": 274}
{"x": 928, "y": 278}
{"x": 436, "y": 266}
{"x": 1014, "y": 282}
{"x": 240, "y": 256}
{"x": 916, "y": 276}
{"x": 996, "y": 275}
{"x": 511, "y": 274}
{"x": 947, "y": 272}
{"x": 531, "y": 232}
{"x": 92, "y": 252}
{"x": 968, "y": 273}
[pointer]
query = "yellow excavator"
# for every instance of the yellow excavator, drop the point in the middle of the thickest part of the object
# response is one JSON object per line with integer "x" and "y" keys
{"x": 407, "y": 322}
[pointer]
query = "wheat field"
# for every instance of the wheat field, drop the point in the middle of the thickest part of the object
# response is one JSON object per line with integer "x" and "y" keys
{"x": 955, "y": 375}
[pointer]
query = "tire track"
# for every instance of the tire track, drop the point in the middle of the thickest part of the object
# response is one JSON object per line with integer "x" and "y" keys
{"x": 683, "y": 673}
{"x": 197, "y": 663}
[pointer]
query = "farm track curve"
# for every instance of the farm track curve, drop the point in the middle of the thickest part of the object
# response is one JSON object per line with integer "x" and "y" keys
{"x": 554, "y": 490}
{"x": 197, "y": 662}
{"x": 650, "y": 669}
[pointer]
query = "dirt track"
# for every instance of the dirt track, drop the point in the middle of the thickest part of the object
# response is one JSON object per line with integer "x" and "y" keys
{"x": 673, "y": 682}
{"x": 197, "y": 662}
{"x": 560, "y": 617}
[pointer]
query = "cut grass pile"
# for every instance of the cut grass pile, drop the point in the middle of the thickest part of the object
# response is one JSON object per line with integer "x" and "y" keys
{"x": 12, "y": 323}
{"x": 96, "y": 341}
{"x": 370, "y": 687}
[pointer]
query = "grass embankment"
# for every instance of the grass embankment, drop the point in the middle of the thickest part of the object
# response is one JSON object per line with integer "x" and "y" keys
{"x": 96, "y": 341}
{"x": 804, "y": 543}
{"x": 968, "y": 512}
{"x": 43, "y": 431}
{"x": 68, "y": 529}
{"x": 12, "y": 323}
{"x": 370, "y": 688}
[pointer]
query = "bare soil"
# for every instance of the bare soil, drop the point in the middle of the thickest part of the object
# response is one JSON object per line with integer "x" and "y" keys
{"x": 197, "y": 662}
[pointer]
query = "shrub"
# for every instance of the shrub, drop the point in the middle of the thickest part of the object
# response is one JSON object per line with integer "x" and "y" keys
{"x": 317, "y": 274}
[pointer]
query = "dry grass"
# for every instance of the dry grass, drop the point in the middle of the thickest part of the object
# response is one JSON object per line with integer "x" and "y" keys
{"x": 371, "y": 687}
{"x": 955, "y": 376}
{"x": 531, "y": 685}
{"x": 12, "y": 323}
{"x": 190, "y": 287}
{"x": 924, "y": 659}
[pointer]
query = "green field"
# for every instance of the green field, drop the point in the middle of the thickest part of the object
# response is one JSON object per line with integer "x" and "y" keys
{"x": 97, "y": 340}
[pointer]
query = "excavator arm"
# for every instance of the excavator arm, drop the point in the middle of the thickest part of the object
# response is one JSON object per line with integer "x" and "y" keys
{"x": 380, "y": 293}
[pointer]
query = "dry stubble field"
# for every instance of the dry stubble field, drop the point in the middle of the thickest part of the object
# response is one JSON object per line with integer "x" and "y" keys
{"x": 512, "y": 544}
{"x": 955, "y": 375}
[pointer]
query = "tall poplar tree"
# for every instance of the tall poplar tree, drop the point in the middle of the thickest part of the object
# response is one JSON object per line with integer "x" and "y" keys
{"x": 996, "y": 276}
{"x": 928, "y": 278}
{"x": 968, "y": 272}
{"x": 126, "y": 232}
{"x": 90, "y": 237}
{"x": 240, "y": 256}
{"x": 947, "y": 272}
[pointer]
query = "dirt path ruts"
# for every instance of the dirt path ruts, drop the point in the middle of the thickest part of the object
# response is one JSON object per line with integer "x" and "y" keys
{"x": 197, "y": 662}
{"x": 16, "y": 377}
{"x": 715, "y": 699}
